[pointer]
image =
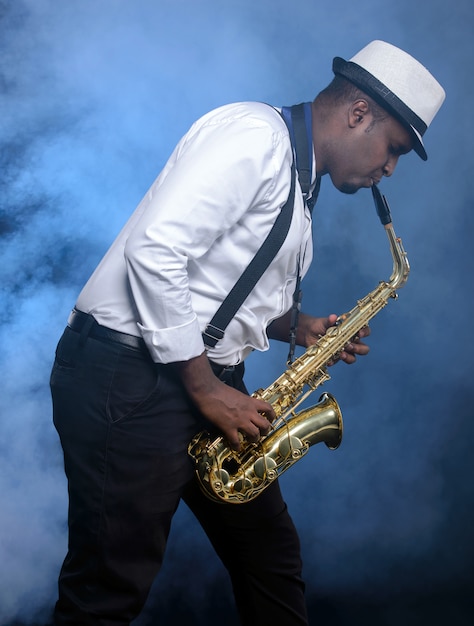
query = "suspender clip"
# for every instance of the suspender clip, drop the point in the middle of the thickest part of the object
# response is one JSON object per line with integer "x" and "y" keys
{"x": 211, "y": 335}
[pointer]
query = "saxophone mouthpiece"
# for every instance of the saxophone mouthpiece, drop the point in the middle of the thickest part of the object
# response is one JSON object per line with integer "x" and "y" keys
{"x": 381, "y": 204}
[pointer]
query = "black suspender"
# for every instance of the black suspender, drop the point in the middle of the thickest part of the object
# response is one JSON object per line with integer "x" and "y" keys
{"x": 249, "y": 278}
{"x": 296, "y": 118}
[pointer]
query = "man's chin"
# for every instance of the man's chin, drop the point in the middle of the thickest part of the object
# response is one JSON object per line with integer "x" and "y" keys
{"x": 351, "y": 186}
{"x": 348, "y": 188}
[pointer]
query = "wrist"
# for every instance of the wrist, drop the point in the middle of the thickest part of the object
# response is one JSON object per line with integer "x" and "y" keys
{"x": 303, "y": 329}
{"x": 196, "y": 375}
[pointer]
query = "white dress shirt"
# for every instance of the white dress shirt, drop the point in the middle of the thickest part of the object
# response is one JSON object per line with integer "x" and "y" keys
{"x": 194, "y": 233}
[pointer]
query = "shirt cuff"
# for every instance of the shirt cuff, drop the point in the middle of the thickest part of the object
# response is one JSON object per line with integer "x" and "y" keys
{"x": 179, "y": 343}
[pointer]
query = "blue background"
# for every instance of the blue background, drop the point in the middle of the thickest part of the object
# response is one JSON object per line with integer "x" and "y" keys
{"x": 94, "y": 97}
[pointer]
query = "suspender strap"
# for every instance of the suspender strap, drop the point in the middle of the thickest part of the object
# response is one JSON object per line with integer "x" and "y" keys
{"x": 247, "y": 281}
{"x": 298, "y": 120}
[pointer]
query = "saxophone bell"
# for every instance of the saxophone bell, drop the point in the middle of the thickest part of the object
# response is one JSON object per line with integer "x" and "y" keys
{"x": 225, "y": 475}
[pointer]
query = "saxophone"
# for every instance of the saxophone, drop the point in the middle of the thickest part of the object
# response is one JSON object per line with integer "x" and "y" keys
{"x": 226, "y": 475}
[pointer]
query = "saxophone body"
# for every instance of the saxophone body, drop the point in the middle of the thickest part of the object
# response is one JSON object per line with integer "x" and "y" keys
{"x": 226, "y": 475}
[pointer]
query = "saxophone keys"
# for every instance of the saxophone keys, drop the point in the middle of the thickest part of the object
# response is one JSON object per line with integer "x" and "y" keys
{"x": 265, "y": 467}
{"x": 219, "y": 479}
{"x": 242, "y": 485}
{"x": 292, "y": 447}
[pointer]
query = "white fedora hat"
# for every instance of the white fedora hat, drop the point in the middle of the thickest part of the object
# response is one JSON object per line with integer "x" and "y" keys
{"x": 399, "y": 83}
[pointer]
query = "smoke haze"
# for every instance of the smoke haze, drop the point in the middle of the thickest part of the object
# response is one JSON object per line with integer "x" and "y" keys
{"x": 94, "y": 96}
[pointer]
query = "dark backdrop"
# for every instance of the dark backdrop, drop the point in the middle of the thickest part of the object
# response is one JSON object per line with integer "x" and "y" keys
{"x": 94, "y": 96}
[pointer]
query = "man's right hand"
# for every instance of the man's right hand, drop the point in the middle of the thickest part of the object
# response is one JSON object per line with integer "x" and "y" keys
{"x": 230, "y": 410}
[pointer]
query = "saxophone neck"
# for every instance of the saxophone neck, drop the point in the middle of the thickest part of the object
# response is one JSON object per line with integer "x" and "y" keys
{"x": 401, "y": 266}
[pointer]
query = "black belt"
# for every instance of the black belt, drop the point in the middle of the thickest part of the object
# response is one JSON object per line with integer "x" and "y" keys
{"x": 86, "y": 325}
{"x": 228, "y": 372}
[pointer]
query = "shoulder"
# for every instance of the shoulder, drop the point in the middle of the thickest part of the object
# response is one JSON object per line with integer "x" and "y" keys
{"x": 245, "y": 129}
{"x": 256, "y": 115}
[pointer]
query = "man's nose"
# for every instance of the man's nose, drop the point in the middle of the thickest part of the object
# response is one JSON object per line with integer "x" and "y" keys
{"x": 390, "y": 166}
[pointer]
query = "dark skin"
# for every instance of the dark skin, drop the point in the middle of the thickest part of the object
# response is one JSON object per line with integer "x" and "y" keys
{"x": 356, "y": 151}
{"x": 353, "y": 148}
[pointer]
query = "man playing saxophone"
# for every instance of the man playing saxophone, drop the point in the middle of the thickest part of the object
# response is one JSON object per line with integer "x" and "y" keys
{"x": 140, "y": 370}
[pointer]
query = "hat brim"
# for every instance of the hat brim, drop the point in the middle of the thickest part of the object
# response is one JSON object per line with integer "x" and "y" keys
{"x": 385, "y": 98}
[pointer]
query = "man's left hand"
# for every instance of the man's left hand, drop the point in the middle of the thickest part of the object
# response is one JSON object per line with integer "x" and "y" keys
{"x": 312, "y": 328}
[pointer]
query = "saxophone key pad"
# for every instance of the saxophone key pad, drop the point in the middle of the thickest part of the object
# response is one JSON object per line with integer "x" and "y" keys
{"x": 264, "y": 467}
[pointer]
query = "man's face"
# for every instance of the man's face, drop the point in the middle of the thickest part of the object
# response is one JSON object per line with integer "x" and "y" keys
{"x": 368, "y": 151}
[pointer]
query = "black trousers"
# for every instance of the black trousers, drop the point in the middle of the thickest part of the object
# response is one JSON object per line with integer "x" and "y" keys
{"x": 125, "y": 423}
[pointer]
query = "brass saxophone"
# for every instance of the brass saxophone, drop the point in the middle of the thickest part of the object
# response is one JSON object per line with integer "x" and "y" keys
{"x": 237, "y": 477}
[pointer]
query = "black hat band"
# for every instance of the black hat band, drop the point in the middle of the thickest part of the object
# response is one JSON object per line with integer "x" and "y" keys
{"x": 379, "y": 92}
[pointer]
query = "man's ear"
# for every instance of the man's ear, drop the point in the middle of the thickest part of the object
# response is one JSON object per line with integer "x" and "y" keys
{"x": 358, "y": 111}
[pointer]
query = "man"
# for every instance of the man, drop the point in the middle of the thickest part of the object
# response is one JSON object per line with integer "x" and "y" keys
{"x": 138, "y": 370}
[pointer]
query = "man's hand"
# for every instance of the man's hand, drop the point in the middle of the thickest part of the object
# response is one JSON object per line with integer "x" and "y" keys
{"x": 232, "y": 411}
{"x": 310, "y": 329}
